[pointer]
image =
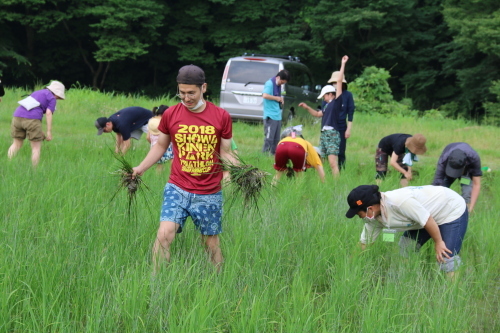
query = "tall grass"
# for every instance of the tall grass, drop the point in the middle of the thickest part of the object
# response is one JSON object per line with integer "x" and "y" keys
{"x": 71, "y": 261}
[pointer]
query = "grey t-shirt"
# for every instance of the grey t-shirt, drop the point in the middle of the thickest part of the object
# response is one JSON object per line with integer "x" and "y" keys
{"x": 472, "y": 167}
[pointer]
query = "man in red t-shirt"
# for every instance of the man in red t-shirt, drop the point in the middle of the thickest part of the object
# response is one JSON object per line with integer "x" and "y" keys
{"x": 201, "y": 133}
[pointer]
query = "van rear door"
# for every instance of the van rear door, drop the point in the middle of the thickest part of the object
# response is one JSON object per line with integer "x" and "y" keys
{"x": 242, "y": 85}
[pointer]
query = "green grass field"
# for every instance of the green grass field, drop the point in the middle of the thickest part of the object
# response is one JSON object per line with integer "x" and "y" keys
{"x": 71, "y": 260}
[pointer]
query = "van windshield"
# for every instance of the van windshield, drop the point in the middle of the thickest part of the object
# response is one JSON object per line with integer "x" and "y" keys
{"x": 251, "y": 72}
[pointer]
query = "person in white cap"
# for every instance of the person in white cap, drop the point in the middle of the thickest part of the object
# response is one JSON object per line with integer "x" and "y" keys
{"x": 346, "y": 116}
{"x": 330, "y": 135}
{"x": 27, "y": 121}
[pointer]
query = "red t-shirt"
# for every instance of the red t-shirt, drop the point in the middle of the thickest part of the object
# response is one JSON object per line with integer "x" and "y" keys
{"x": 196, "y": 139}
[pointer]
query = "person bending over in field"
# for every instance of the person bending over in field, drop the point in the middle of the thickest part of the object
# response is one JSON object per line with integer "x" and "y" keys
{"x": 127, "y": 123}
{"x": 422, "y": 212}
{"x": 402, "y": 148}
{"x": 300, "y": 152}
{"x": 330, "y": 135}
{"x": 27, "y": 121}
{"x": 459, "y": 160}
{"x": 201, "y": 135}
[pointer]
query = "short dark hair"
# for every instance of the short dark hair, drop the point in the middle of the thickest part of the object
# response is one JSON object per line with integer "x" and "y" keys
{"x": 158, "y": 111}
{"x": 284, "y": 75}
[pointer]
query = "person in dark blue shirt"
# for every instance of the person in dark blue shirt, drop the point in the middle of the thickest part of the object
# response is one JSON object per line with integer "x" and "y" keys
{"x": 345, "y": 117}
{"x": 127, "y": 123}
{"x": 330, "y": 135}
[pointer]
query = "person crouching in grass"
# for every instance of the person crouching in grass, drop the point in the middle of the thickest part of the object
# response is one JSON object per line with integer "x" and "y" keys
{"x": 422, "y": 212}
{"x": 403, "y": 150}
{"x": 300, "y": 152}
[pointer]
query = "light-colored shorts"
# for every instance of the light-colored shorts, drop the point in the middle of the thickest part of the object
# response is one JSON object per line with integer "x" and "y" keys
{"x": 22, "y": 127}
{"x": 136, "y": 134}
{"x": 205, "y": 209}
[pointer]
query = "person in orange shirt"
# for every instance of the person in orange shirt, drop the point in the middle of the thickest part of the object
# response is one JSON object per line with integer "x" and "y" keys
{"x": 300, "y": 152}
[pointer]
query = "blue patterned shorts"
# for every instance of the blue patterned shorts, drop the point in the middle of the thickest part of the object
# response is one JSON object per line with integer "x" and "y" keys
{"x": 204, "y": 209}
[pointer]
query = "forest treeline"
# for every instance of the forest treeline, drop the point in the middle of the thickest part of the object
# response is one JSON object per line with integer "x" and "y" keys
{"x": 440, "y": 54}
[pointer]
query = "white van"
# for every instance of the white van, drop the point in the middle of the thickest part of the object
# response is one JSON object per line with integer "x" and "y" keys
{"x": 243, "y": 82}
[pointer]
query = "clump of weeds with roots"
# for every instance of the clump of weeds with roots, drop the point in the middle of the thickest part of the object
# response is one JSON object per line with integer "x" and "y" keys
{"x": 246, "y": 181}
{"x": 132, "y": 185}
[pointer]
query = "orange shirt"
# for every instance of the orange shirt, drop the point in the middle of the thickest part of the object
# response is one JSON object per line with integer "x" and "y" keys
{"x": 312, "y": 157}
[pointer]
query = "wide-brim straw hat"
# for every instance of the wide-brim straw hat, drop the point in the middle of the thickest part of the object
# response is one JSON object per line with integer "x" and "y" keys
{"x": 57, "y": 88}
{"x": 416, "y": 144}
{"x": 335, "y": 77}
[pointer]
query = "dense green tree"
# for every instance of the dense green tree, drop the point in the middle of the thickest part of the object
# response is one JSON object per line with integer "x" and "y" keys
{"x": 474, "y": 55}
{"x": 493, "y": 108}
{"x": 120, "y": 29}
{"x": 405, "y": 37}
{"x": 438, "y": 53}
{"x": 21, "y": 22}
{"x": 61, "y": 33}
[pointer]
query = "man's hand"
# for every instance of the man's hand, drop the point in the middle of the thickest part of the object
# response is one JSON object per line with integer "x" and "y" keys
{"x": 48, "y": 137}
{"x": 137, "y": 172}
{"x": 441, "y": 250}
{"x": 303, "y": 105}
{"x": 347, "y": 133}
{"x": 408, "y": 175}
{"x": 344, "y": 59}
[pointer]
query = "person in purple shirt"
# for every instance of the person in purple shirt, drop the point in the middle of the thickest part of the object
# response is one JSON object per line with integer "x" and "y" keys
{"x": 27, "y": 120}
{"x": 459, "y": 160}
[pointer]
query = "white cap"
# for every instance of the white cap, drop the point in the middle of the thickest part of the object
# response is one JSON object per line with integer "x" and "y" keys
{"x": 57, "y": 89}
{"x": 326, "y": 89}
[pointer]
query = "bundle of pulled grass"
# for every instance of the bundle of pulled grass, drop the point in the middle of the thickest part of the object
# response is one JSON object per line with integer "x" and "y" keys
{"x": 290, "y": 173}
{"x": 246, "y": 181}
{"x": 131, "y": 184}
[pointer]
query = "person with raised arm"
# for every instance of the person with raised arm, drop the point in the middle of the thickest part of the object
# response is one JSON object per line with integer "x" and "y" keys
{"x": 330, "y": 117}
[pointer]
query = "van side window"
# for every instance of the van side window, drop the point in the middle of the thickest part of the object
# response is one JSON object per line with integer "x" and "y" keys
{"x": 308, "y": 85}
{"x": 251, "y": 72}
{"x": 295, "y": 75}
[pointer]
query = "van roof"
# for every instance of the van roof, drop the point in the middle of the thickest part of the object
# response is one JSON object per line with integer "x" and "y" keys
{"x": 286, "y": 57}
